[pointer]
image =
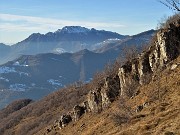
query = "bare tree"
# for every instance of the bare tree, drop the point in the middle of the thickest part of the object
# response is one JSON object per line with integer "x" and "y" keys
{"x": 171, "y": 4}
{"x": 129, "y": 53}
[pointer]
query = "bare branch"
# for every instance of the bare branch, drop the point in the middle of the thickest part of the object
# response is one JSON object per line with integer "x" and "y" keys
{"x": 171, "y": 4}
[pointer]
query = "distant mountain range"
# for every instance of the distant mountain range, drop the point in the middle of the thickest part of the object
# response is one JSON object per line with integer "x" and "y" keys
{"x": 34, "y": 76}
{"x": 67, "y": 39}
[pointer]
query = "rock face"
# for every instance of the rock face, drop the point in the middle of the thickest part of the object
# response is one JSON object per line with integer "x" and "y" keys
{"x": 140, "y": 70}
{"x": 136, "y": 72}
{"x": 100, "y": 98}
{"x": 65, "y": 119}
{"x": 78, "y": 112}
{"x": 95, "y": 100}
{"x": 128, "y": 76}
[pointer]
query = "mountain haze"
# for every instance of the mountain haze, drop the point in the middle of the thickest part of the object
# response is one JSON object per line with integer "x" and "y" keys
{"x": 68, "y": 39}
{"x": 34, "y": 76}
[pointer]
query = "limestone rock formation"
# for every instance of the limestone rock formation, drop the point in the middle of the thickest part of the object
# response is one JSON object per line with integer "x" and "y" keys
{"x": 78, "y": 112}
{"x": 95, "y": 100}
{"x": 100, "y": 98}
{"x": 64, "y": 120}
{"x": 140, "y": 70}
{"x": 133, "y": 73}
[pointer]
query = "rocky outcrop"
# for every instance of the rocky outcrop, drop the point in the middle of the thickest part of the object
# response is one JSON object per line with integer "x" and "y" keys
{"x": 78, "y": 112}
{"x": 128, "y": 76}
{"x": 97, "y": 100}
{"x": 65, "y": 119}
{"x": 60, "y": 123}
{"x": 101, "y": 97}
{"x": 166, "y": 47}
{"x": 136, "y": 72}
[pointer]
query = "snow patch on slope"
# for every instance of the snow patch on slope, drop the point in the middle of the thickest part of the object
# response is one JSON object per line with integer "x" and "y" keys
{"x": 74, "y": 29}
{"x": 5, "y": 70}
{"x": 4, "y": 79}
{"x": 18, "y": 64}
{"x": 17, "y": 87}
{"x": 54, "y": 82}
{"x": 59, "y": 50}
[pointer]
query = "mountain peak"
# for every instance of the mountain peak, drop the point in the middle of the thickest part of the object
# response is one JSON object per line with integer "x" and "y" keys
{"x": 73, "y": 29}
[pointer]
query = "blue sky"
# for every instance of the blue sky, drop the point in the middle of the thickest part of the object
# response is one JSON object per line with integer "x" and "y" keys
{"x": 20, "y": 18}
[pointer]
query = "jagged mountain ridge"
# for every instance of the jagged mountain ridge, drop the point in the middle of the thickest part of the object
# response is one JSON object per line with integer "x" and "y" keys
{"x": 67, "y": 39}
{"x": 81, "y": 37}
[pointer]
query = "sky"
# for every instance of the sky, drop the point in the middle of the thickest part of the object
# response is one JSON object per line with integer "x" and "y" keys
{"x": 21, "y": 18}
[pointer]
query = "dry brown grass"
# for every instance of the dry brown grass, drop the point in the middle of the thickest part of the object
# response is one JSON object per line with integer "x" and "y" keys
{"x": 160, "y": 117}
{"x": 36, "y": 116}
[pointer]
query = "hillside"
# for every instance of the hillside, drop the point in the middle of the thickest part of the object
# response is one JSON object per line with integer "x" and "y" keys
{"x": 151, "y": 120}
{"x": 147, "y": 101}
{"x": 160, "y": 116}
{"x": 138, "y": 97}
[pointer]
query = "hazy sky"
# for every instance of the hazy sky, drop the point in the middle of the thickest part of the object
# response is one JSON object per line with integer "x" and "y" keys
{"x": 20, "y": 18}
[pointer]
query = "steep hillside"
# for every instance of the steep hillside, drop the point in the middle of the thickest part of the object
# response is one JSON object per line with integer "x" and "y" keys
{"x": 159, "y": 116}
{"x": 37, "y": 115}
{"x": 139, "y": 97}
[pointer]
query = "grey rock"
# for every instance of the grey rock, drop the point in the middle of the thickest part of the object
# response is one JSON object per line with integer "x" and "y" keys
{"x": 78, "y": 112}
{"x": 65, "y": 120}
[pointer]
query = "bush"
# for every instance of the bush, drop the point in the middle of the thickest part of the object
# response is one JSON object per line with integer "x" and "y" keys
{"x": 165, "y": 22}
{"x": 119, "y": 119}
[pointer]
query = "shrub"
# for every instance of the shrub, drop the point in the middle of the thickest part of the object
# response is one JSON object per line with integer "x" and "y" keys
{"x": 165, "y": 22}
{"x": 119, "y": 119}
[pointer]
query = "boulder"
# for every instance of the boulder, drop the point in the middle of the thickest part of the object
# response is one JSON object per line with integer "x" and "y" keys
{"x": 139, "y": 108}
{"x": 78, "y": 112}
{"x": 128, "y": 76}
{"x": 110, "y": 90}
{"x": 101, "y": 97}
{"x": 95, "y": 100}
{"x": 65, "y": 120}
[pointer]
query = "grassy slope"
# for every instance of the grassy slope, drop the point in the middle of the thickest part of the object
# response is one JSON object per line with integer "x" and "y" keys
{"x": 159, "y": 117}
{"x": 162, "y": 115}
{"x": 35, "y": 116}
